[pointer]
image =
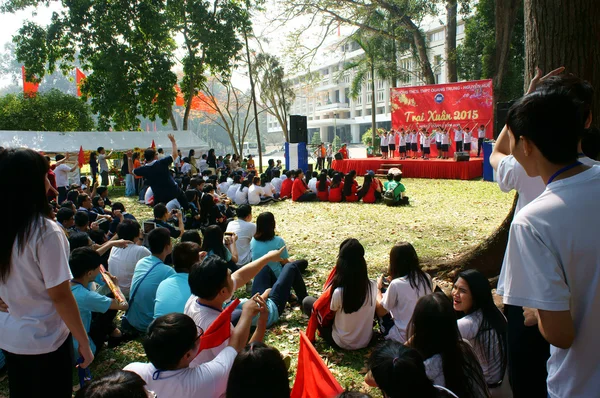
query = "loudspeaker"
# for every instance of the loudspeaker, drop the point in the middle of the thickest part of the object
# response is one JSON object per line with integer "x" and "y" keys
{"x": 298, "y": 129}
{"x": 338, "y": 156}
{"x": 461, "y": 156}
{"x": 500, "y": 117}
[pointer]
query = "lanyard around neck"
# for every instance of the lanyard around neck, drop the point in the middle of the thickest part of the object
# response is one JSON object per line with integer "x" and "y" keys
{"x": 563, "y": 170}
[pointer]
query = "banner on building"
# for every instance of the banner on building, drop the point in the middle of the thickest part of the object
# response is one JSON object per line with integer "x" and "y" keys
{"x": 469, "y": 104}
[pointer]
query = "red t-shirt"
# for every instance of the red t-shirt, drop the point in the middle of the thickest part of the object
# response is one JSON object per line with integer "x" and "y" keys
{"x": 298, "y": 189}
{"x": 353, "y": 197}
{"x": 52, "y": 179}
{"x": 323, "y": 195}
{"x": 335, "y": 194}
{"x": 344, "y": 153}
{"x": 286, "y": 188}
{"x": 369, "y": 197}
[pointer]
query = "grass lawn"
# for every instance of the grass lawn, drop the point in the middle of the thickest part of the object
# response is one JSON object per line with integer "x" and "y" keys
{"x": 445, "y": 218}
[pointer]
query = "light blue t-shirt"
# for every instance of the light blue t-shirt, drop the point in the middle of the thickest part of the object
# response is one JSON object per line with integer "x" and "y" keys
{"x": 273, "y": 312}
{"x": 88, "y": 302}
{"x": 172, "y": 294}
{"x": 141, "y": 310}
{"x": 260, "y": 248}
{"x": 227, "y": 254}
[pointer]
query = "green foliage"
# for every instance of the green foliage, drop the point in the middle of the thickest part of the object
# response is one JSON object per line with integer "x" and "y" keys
{"x": 336, "y": 144}
{"x": 51, "y": 111}
{"x": 128, "y": 49}
{"x": 367, "y": 138}
{"x": 316, "y": 138}
{"x": 476, "y": 54}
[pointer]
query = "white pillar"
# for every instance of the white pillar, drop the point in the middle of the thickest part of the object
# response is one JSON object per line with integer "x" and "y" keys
{"x": 355, "y": 131}
{"x": 323, "y": 133}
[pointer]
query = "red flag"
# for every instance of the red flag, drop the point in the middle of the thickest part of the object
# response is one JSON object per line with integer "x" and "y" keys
{"x": 79, "y": 77}
{"x": 81, "y": 157}
{"x": 29, "y": 88}
{"x": 313, "y": 379}
{"x": 153, "y": 146}
{"x": 219, "y": 330}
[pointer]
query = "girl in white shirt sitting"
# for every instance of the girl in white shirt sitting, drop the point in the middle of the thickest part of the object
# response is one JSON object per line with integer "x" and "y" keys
{"x": 483, "y": 325}
{"x": 449, "y": 361}
{"x": 353, "y": 299}
{"x": 408, "y": 284}
{"x": 241, "y": 196}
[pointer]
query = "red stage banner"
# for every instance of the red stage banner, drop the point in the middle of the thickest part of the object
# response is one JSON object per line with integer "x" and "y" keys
{"x": 469, "y": 104}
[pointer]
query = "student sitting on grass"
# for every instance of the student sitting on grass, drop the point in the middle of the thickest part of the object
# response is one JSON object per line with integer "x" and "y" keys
{"x": 85, "y": 267}
{"x": 322, "y": 187}
{"x": 398, "y": 371}
{"x": 214, "y": 243}
{"x": 117, "y": 384}
{"x": 172, "y": 343}
{"x": 300, "y": 191}
{"x": 336, "y": 188}
{"x": 258, "y": 371}
{"x": 367, "y": 191}
{"x": 394, "y": 196}
{"x": 286, "y": 185}
{"x": 407, "y": 283}
{"x": 350, "y": 187}
{"x": 212, "y": 285}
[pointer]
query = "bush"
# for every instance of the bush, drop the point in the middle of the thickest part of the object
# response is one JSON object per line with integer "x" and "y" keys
{"x": 367, "y": 138}
{"x": 316, "y": 139}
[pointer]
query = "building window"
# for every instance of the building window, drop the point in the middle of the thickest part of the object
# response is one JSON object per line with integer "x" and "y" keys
{"x": 346, "y": 77}
{"x": 460, "y": 29}
{"x": 380, "y": 84}
{"x": 369, "y": 98}
{"x": 368, "y": 112}
{"x": 380, "y": 96}
{"x": 381, "y": 110}
{"x": 436, "y": 36}
{"x": 358, "y": 113}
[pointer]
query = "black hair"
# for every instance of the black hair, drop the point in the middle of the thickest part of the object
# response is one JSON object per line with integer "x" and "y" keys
{"x": 192, "y": 236}
{"x": 101, "y": 190}
{"x": 399, "y": 371}
{"x": 191, "y": 195}
{"x": 117, "y": 384}
{"x": 237, "y": 178}
{"x": 73, "y": 195}
{"x": 207, "y": 278}
{"x": 158, "y": 239}
{"x": 82, "y": 260}
{"x": 256, "y": 181}
{"x": 95, "y": 200}
{"x": 223, "y": 178}
{"x": 207, "y": 204}
{"x": 275, "y": 173}
{"x": 315, "y": 174}
{"x": 78, "y": 239}
{"x": 63, "y": 214}
{"x": 128, "y": 230}
{"x": 322, "y": 185}
{"x": 390, "y": 177}
{"x": 265, "y": 227}
{"x": 185, "y": 255}
{"x": 118, "y": 206}
{"x": 213, "y": 240}
{"x": 348, "y": 182}
{"x": 243, "y": 211}
{"x": 97, "y": 236}
{"x": 492, "y": 320}
{"x": 208, "y": 188}
{"x": 149, "y": 154}
{"x": 398, "y": 177}
{"x": 191, "y": 153}
{"x": 258, "y": 371}
{"x": 169, "y": 338}
{"x": 352, "y": 276}
{"x": 578, "y": 88}
{"x": 404, "y": 261}
{"x": 336, "y": 180}
{"x": 433, "y": 330}
{"x": 100, "y": 149}
{"x": 82, "y": 198}
{"x": 59, "y": 157}
{"x": 366, "y": 185}
{"x": 590, "y": 143}
{"x": 288, "y": 173}
{"x": 551, "y": 119}
{"x": 353, "y": 394}
{"x": 160, "y": 210}
{"x": 67, "y": 204}
{"x": 82, "y": 219}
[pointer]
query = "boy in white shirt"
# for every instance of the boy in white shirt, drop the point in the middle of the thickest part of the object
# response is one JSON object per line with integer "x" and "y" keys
{"x": 445, "y": 143}
{"x": 312, "y": 183}
{"x": 480, "y": 139}
{"x": 245, "y": 229}
{"x": 467, "y": 140}
{"x": 426, "y": 145}
{"x": 276, "y": 181}
{"x": 552, "y": 260}
{"x": 438, "y": 142}
{"x": 172, "y": 343}
{"x": 414, "y": 147}
{"x": 402, "y": 146}
{"x": 383, "y": 145}
{"x": 458, "y": 138}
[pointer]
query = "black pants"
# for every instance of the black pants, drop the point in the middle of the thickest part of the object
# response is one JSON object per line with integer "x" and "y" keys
{"x": 459, "y": 146}
{"x": 105, "y": 180}
{"x": 326, "y": 333}
{"x": 479, "y": 145}
{"x": 329, "y": 160}
{"x": 320, "y": 163}
{"x": 528, "y": 353}
{"x": 289, "y": 278}
{"x": 102, "y": 326}
{"x": 307, "y": 197}
{"x": 44, "y": 375}
{"x": 62, "y": 194}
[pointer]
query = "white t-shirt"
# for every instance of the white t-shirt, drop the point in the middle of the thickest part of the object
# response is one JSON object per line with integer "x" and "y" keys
{"x": 245, "y": 232}
{"x": 254, "y": 194}
{"x": 223, "y": 187}
{"x": 402, "y": 140}
{"x": 269, "y": 189}
{"x": 467, "y": 137}
{"x": 276, "y": 182}
{"x": 392, "y": 139}
{"x": 384, "y": 140}
{"x": 207, "y": 380}
{"x": 102, "y": 162}
{"x": 312, "y": 183}
{"x": 438, "y": 136}
{"x": 434, "y": 368}
{"x": 426, "y": 142}
{"x": 232, "y": 190}
{"x": 32, "y": 326}
{"x": 204, "y": 316}
{"x": 62, "y": 175}
{"x": 186, "y": 168}
{"x": 481, "y": 133}
{"x": 353, "y": 331}
{"x": 122, "y": 261}
{"x": 422, "y": 138}
{"x": 492, "y": 366}
{"x": 241, "y": 196}
{"x": 458, "y": 135}
{"x": 201, "y": 165}
{"x": 413, "y": 138}
{"x": 553, "y": 264}
{"x": 445, "y": 138}
{"x": 511, "y": 175}
{"x": 400, "y": 300}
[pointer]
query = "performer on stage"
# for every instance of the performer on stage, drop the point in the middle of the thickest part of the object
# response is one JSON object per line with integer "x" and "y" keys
{"x": 438, "y": 141}
{"x": 458, "y": 137}
{"x": 383, "y": 145}
{"x": 402, "y": 146}
{"x": 445, "y": 142}
{"x": 413, "y": 144}
{"x": 392, "y": 143}
{"x": 467, "y": 136}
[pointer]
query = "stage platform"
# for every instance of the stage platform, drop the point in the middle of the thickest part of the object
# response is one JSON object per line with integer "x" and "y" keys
{"x": 416, "y": 168}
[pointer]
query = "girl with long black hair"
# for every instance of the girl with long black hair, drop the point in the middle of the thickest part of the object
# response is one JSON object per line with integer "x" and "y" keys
{"x": 323, "y": 187}
{"x": 449, "y": 361}
{"x": 213, "y": 243}
{"x": 336, "y": 188}
{"x": 34, "y": 284}
{"x": 368, "y": 189}
{"x": 482, "y": 324}
{"x": 350, "y": 187}
{"x": 407, "y": 283}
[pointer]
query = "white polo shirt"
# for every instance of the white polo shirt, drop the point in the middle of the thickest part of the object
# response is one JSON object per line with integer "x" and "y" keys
{"x": 458, "y": 135}
{"x": 62, "y": 175}
{"x": 553, "y": 264}
{"x": 384, "y": 140}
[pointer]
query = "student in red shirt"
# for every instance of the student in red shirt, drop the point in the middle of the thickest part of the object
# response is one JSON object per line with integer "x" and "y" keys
{"x": 286, "y": 186}
{"x": 367, "y": 191}
{"x": 336, "y": 187}
{"x": 323, "y": 187}
{"x": 300, "y": 191}
{"x": 344, "y": 151}
{"x": 350, "y": 187}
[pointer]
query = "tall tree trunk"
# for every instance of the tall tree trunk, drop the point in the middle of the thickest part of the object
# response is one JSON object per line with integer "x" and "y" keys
{"x": 284, "y": 107}
{"x": 505, "y": 15}
{"x": 252, "y": 91}
{"x": 421, "y": 46}
{"x": 172, "y": 118}
{"x": 451, "y": 70}
{"x": 561, "y": 33}
{"x": 373, "y": 105}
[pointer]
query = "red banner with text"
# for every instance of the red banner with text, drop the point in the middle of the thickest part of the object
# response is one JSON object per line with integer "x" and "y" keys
{"x": 469, "y": 104}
